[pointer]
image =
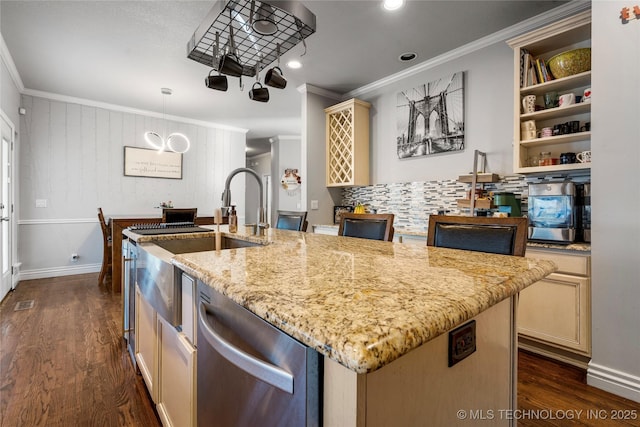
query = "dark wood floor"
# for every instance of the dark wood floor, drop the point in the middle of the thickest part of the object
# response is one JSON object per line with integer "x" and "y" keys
{"x": 550, "y": 392}
{"x": 63, "y": 363}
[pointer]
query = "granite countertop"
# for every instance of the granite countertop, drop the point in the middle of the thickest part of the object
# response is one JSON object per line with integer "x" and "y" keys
{"x": 362, "y": 303}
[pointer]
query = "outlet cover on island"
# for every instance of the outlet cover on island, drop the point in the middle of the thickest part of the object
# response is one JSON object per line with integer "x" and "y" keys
{"x": 41, "y": 203}
{"x": 314, "y": 204}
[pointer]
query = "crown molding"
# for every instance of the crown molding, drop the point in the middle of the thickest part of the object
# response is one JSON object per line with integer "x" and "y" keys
{"x": 123, "y": 109}
{"x": 287, "y": 137}
{"x": 307, "y": 88}
{"x": 11, "y": 66}
{"x": 548, "y": 17}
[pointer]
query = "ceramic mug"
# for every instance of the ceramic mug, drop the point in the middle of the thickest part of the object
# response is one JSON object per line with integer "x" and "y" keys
{"x": 566, "y": 100}
{"x": 586, "y": 96}
{"x": 567, "y": 158}
{"x": 584, "y": 156}
{"x": 546, "y": 132}
{"x": 529, "y": 104}
{"x": 528, "y": 130}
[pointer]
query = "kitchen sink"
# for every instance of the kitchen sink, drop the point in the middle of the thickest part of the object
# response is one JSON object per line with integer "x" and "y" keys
{"x": 157, "y": 278}
{"x": 201, "y": 244}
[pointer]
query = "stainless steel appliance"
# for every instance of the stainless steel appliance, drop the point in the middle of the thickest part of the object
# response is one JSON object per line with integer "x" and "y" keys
{"x": 552, "y": 212}
{"x": 155, "y": 278}
{"x": 583, "y": 208}
{"x": 129, "y": 251}
{"x": 250, "y": 373}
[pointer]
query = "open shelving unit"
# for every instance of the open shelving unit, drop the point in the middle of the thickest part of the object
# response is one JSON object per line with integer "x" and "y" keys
{"x": 567, "y": 34}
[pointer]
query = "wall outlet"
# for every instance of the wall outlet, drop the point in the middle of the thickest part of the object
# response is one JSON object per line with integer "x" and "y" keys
{"x": 462, "y": 342}
{"x": 314, "y": 204}
{"x": 75, "y": 257}
{"x": 41, "y": 203}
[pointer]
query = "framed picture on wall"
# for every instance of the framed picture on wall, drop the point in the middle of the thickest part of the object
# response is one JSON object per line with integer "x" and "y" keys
{"x": 430, "y": 118}
{"x": 148, "y": 163}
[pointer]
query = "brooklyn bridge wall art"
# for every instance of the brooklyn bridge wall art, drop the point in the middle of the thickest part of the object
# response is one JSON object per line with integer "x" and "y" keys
{"x": 430, "y": 118}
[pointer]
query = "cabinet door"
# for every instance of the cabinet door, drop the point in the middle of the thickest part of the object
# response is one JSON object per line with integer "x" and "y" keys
{"x": 556, "y": 311}
{"x": 146, "y": 342}
{"x": 347, "y": 135}
{"x": 176, "y": 403}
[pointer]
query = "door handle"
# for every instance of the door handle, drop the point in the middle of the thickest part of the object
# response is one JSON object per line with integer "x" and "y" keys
{"x": 4, "y": 218}
{"x": 270, "y": 374}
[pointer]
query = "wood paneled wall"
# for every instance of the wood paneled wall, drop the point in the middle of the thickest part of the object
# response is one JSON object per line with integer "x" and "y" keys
{"x": 72, "y": 156}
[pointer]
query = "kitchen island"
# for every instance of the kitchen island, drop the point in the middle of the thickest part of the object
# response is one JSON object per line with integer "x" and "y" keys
{"x": 379, "y": 312}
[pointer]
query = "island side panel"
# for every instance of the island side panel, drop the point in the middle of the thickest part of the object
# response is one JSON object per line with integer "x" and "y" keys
{"x": 421, "y": 386}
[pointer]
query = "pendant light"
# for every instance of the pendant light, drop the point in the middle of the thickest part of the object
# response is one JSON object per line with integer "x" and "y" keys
{"x": 158, "y": 142}
{"x": 263, "y": 20}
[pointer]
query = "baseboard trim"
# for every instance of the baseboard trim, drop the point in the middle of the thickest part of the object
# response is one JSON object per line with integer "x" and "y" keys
{"x": 566, "y": 357}
{"x": 43, "y": 273}
{"x": 614, "y": 381}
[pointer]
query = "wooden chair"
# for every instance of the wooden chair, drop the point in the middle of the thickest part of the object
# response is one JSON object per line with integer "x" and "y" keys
{"x": 291, "y": 220}
{"x": 171, "y": 215}
{"x": 106, "y": 248}
{"x": 367, "y": 226}
{"x": 506, "y": 236}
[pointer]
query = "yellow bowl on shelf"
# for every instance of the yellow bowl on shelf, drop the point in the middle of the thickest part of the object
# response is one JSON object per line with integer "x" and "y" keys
{"x": 571, "y": 62}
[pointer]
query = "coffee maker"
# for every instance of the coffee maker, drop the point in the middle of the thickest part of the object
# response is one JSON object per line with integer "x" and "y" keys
{"x": 507, "y": 202}
{"x": 583, "y": 210}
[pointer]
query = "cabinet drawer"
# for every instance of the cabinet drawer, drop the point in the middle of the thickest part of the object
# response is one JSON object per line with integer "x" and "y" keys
{"x": 567, "y": 263}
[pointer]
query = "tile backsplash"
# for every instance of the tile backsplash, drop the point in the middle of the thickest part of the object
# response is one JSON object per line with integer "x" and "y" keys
{"x": 413, "y": 202}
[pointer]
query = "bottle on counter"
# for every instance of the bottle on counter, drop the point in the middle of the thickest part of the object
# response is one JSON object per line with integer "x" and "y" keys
{"x": 233, "y": 220}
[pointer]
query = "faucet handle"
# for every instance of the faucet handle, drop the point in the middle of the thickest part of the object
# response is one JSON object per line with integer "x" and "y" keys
{"x": 262, "y": 226}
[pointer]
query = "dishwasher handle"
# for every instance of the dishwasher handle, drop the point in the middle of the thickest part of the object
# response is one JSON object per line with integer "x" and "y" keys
{"x": 255, "y": 367}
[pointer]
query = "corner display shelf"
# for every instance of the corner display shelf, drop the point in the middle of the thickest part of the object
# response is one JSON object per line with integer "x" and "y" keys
{"x": 570, "y": 33}
{"x": 474, "y": 179}
{"x": 347, "y": 136}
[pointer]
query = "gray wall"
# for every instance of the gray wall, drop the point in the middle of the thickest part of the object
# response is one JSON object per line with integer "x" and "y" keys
{"x": 289, "y": 157}
{"x": 488, "y": 107}
{"x": 72, "y": 157}
{"x": 488, "y": 83}
{"x": 615, "y": 365}
{"x": 313, "y": 149}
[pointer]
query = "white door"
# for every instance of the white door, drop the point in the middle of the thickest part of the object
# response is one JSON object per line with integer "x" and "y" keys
{"x": 6, "y": 204}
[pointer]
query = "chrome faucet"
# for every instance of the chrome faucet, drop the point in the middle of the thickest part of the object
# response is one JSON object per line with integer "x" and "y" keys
{"x": 226, "y": 197}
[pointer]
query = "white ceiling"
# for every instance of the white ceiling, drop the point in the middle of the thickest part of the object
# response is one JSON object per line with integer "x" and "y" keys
{"x": 123, "y": 52}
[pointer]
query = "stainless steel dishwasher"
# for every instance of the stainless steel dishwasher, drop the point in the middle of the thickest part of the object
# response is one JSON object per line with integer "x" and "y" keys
{"x": 250, "y": 373}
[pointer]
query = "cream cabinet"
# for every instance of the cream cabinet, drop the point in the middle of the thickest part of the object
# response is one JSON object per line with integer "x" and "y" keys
{"x": 347, "y": 135}
{"x": 146, "y": 343}
{"x": 176, "y": 377}
{"x": 554, "y": 314}
{"x": 570, "y": 33}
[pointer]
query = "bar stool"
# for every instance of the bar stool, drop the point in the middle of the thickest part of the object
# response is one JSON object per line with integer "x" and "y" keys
{"x": 367, "y": 226}
{"x": 507, "y": 236}
{"x": 291, "y": 220}
{"x": 106, "y": 243}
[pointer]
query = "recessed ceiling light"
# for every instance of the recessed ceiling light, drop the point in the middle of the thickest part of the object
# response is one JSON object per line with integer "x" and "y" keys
{"x": 392, "y": 4}
{"x": 407, "y": 56}
{"x": 295, "y": 64}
